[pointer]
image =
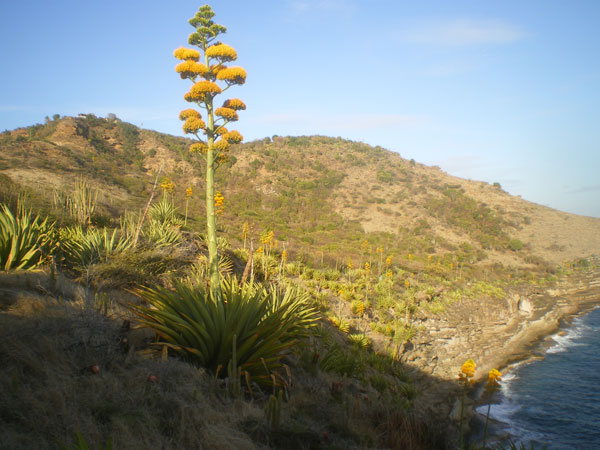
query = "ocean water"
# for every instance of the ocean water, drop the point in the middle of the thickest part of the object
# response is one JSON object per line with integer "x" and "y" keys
{"x": 555, "y": 401}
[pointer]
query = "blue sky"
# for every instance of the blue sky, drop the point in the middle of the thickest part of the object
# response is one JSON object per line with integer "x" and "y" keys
{"x": 504, "y": 92}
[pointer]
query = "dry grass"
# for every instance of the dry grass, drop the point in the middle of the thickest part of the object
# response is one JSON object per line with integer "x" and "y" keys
{"x": 50, "y": 391}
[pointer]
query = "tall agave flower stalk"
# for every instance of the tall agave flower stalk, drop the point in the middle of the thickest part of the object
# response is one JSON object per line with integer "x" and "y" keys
{"x": 467, "y": 372}
{"x": 491, "y": 386}
{"x": 210, "y": 75}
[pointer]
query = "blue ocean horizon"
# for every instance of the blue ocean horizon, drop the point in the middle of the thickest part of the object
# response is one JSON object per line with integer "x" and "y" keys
{"x": 554, "y": 402}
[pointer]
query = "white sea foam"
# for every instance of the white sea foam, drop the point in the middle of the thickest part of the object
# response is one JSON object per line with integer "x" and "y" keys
{"x": 570, "y": 337}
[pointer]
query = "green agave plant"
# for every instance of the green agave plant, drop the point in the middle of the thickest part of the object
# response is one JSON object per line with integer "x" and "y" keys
{"x": 25, "y": 241}
{"x": 162, "y": 234}
{"x": 83, "y": 248}
{"x": 265, "y": 323}
{"x": 164, "y": 211}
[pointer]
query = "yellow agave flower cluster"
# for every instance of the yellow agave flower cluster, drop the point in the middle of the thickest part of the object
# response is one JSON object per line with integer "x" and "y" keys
{"x": 190, "y": 68}
{"x": 167, "y": 185}
{"x": 467, "y": 371}
{"x": 219, "y": 203}
{"x": 203, "y": 90}
{"x": 493, "y": 381}
{"x": 193, "y": 124}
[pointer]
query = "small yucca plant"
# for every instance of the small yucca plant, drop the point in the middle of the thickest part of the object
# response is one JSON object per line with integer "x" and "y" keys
{"x": 165, "y": 212}
{"x": 25, "y": 240}
{"x": 83, "y": 248}
{"x": 359, "y": 340}
{"x": 200, "y": 328}
{"x": 340, "y": 324}
{"x": 162, "y": 233}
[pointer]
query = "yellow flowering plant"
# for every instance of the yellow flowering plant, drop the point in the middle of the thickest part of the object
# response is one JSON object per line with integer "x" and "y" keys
{"x": 219, "y": 203}
{"x": 492, "y": 384}
{"x": 467, "y": 371}
{"x": 188, "y": 195}
{"x": 206, "y": 68}
{"x": 166, "y": 185}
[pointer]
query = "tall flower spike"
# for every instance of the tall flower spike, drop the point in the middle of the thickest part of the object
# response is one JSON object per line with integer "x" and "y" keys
{"x": 205, "y": 77}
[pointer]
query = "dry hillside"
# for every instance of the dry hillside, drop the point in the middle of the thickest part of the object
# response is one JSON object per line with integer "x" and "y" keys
{"x": 318, "y": 194}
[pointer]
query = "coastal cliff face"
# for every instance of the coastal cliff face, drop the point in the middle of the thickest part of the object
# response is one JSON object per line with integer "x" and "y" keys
{"x": 495, "y": 333}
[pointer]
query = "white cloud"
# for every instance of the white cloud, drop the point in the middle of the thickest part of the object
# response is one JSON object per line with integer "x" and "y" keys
{"x": 462, "y": 32}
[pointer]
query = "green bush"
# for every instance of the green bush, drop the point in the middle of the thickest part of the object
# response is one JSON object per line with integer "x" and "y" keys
{"x": 515, "y": 245}
{"x": 25, "y": 241}
{"x": 265, "y": 323}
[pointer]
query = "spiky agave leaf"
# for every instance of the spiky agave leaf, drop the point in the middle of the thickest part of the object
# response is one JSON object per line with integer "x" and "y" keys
{"x": 162, "y": 233}
{"x": 24, "y": 240}
{"x": 164, "y": 211}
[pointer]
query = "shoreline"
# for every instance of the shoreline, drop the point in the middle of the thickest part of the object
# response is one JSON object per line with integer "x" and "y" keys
{"x": 540, "y": 346}
{"x": 550, "y": 314}
{"x": 497, "y": 334}
{"x": 497, "y": 431}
